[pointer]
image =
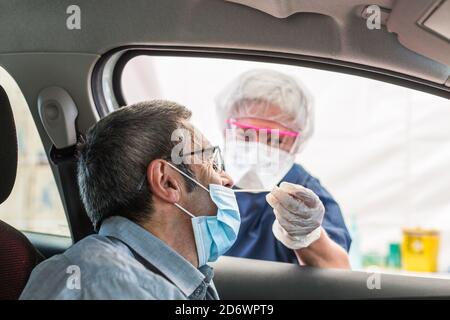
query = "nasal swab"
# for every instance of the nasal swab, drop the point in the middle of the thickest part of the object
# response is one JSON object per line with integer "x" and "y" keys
{"x": 252, "y": 190}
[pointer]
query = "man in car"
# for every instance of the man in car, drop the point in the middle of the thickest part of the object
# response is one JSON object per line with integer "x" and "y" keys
{"x": 162, "y": 212}
{"x": 268, "y": 117}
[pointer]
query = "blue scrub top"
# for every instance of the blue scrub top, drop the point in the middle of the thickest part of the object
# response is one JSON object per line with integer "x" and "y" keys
{"x": 256, "y": 240}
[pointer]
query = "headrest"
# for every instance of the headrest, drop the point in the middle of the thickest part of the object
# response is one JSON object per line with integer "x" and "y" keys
{"x": 8, "y": 147}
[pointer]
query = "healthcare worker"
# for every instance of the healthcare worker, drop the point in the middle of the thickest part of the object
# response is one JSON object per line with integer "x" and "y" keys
{"x": 286, "y": 214}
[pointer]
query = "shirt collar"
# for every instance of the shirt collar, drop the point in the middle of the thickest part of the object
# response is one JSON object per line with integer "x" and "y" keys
{"x": 175, "y": 267}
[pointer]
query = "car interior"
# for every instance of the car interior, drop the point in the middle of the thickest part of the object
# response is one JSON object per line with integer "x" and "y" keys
{"x": 69, "y": 74}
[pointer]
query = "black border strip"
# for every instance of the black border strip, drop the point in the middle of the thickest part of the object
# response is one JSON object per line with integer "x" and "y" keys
{"x": 130, "y": 52}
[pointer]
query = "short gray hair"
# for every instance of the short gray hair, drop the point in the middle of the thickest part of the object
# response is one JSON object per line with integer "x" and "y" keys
{"x": 114, "y": 157}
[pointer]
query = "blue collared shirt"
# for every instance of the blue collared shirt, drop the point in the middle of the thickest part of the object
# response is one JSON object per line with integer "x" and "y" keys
{"x": 122, "y": 261}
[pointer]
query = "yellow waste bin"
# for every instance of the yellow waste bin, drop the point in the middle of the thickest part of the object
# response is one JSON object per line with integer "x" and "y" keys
{"x": 420, "y": 249}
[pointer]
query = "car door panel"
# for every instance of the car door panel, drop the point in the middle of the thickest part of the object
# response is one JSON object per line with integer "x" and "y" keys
{"x": 238, "y": 278}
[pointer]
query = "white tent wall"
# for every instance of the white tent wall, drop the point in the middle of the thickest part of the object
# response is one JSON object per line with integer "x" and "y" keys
{"x": 381, "y": 150}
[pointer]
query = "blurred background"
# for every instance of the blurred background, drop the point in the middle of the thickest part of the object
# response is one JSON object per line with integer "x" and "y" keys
{"x": 381, "y": 150}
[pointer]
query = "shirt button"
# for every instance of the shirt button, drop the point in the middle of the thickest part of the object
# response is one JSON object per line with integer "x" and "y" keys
{"x": 200, "y": 289}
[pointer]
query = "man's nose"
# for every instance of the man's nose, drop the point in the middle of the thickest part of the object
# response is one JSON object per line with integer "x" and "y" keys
{"x": 226, "y": 179}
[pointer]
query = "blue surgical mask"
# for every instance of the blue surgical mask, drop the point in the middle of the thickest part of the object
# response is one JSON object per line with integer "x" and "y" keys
{"x": 214, "y": 235}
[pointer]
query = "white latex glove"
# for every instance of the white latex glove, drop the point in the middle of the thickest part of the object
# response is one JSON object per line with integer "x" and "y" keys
{"x": 299, "y": 214}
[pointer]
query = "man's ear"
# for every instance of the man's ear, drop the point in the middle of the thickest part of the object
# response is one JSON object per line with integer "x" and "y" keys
{"x": 162, "y": 182}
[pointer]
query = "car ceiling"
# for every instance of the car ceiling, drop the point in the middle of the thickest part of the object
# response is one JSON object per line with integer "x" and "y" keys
{"x": 38, "y": 50}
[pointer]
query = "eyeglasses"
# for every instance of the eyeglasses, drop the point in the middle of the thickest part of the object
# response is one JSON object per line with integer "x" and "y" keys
{"x": 212, "y": 155}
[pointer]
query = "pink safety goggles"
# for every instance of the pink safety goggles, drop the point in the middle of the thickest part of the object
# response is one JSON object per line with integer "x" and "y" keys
{"x": 241, "y": 125}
